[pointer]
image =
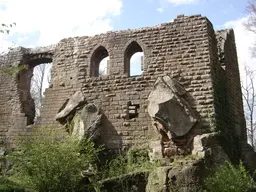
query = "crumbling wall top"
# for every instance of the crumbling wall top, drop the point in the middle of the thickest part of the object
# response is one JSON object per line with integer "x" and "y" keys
{"x": 221, "y": 36}
{"x": 41, "y": 50}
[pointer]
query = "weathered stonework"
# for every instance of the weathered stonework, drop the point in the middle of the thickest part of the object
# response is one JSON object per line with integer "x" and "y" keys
{"x": 187, "y": 51}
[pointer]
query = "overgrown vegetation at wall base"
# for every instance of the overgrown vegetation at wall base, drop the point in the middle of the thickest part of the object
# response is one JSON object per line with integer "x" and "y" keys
{"x": 134, "y": 160}
{"x": 8, "y": 186}
{"x": 230, "y": 178}
{"x": 53, "y": 161}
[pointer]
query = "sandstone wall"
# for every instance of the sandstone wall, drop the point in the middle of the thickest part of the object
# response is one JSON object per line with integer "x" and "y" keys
{"x": 179, "y": 49}
{"x": 231, "y": 77}
{"x": 12, "y": 120}
{"x": 185, "y": 49}
{"x": 16, "y": 104}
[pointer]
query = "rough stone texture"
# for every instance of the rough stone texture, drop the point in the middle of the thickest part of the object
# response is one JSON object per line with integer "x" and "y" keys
{"x": 188, "y": 174}
{"x": 185, "y": 177}
{"x": 87, "y": 122}
{"x": 172, "y": 117}
{"x": 76, "y": 100}
{"x": 178, "y": 49}
{"x": 207, "y": 146}
{"x": 155, "y": 150}
{"x": 187, "y": 50}
{"x": 166, "y": 107}
{"x": 158, "y": 180}
{"x": 228, "y": 61}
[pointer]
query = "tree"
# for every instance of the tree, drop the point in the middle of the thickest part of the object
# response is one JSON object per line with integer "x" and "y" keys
{"x": 40, "y": 79}
{"x": 9, "y": 70}
{"x": 5, "y": 28}
{"x": 250, "y": 23}
{"x": 248, "y": 86}
{"x": 249, "y": 96}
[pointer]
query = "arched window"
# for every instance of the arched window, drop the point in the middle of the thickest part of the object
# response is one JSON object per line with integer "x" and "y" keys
{"x": 133, "y": 59}
{"x": 39, "y": 82}
{"x": 99, "y": 61}
{"x": 32, "y": 82}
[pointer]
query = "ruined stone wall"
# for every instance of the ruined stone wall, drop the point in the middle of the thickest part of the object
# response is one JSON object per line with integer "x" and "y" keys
{"x": 64, "y": 77}
{"x": 16, "y": 105}
{"x": 11, "y": 119}
{"x": 179, "y": 49}
{"x": 185, "y": 49}
{"x": 229, "y": 64}
{"x": 228, "y": 104}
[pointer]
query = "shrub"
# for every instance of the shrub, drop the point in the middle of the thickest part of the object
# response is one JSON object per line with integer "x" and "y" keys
{"x": 230, "y": 178}
{"x": 9, "y": 186}
{"x": 126, "y": 162}
{"x": 52, "y": 161}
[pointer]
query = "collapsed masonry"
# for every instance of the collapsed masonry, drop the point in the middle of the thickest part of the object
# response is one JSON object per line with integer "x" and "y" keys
{"x": 190, "y": 86}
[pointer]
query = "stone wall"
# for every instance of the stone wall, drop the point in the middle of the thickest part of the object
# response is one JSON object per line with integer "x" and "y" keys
{"x": 228, "y": 96}
{"x": 185, "y": 49}
{"x": 229, "y": 67}
{"x": 16, "y": 105}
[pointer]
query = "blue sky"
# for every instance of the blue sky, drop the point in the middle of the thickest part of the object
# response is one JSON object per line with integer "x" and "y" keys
{"x": 45, "y": 22}
{"x": 80, "y": 17}
{"x": 139, "y": 13}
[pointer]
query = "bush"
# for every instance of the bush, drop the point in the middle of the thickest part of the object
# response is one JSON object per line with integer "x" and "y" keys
{"x": 52, "y": 161}
{"x": 9, "y": 186}
{"x": 230, "y": 178}
{"x": 127, "y": 162}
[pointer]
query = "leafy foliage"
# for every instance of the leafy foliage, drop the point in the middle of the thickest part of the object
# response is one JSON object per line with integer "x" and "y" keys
{"x": 52, "y": 161}
{"x": 230, "y": 178}
{"x": 9, "y": 70}
{"x": 9, "y": 186}
{"x": 13, "y": 70}
{"x": 5, "y": 28}
{"x": 131, "y": 161}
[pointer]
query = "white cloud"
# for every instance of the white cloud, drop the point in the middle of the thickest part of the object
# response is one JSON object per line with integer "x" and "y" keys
{"x": 54, "y": 20}
{"x": 160, "y": 10}
{"x": 180, "y": 2}
{"x": 244, "y": 42}
{"x": 4, "y": 43}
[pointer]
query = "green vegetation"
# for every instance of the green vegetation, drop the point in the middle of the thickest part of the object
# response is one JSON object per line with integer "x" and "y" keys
{"x": 230, "y": 178}
{"x": 134, "y": 160}
{"x": 5, "y": 28}
{"x": 53, "y": 161}
{"x": 10, "y": 70}
{"x": 13, "y": 70}
{"x": 8, "y": 186}
{"x": 127, "y": 172}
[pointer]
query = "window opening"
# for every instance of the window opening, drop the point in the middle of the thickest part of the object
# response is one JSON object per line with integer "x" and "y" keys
{"x": 133, "y": 110}
{"x": 136, "y": 63}
{"x": 133, "y": 59}
{"x": 99, "y": 62}
{"x": 39, "y": 82}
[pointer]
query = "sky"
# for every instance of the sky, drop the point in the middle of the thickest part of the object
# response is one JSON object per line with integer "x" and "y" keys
{"x": 45, "y": 22}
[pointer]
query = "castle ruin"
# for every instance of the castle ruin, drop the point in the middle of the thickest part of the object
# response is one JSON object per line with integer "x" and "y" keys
{"x": 189, "y": 86}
